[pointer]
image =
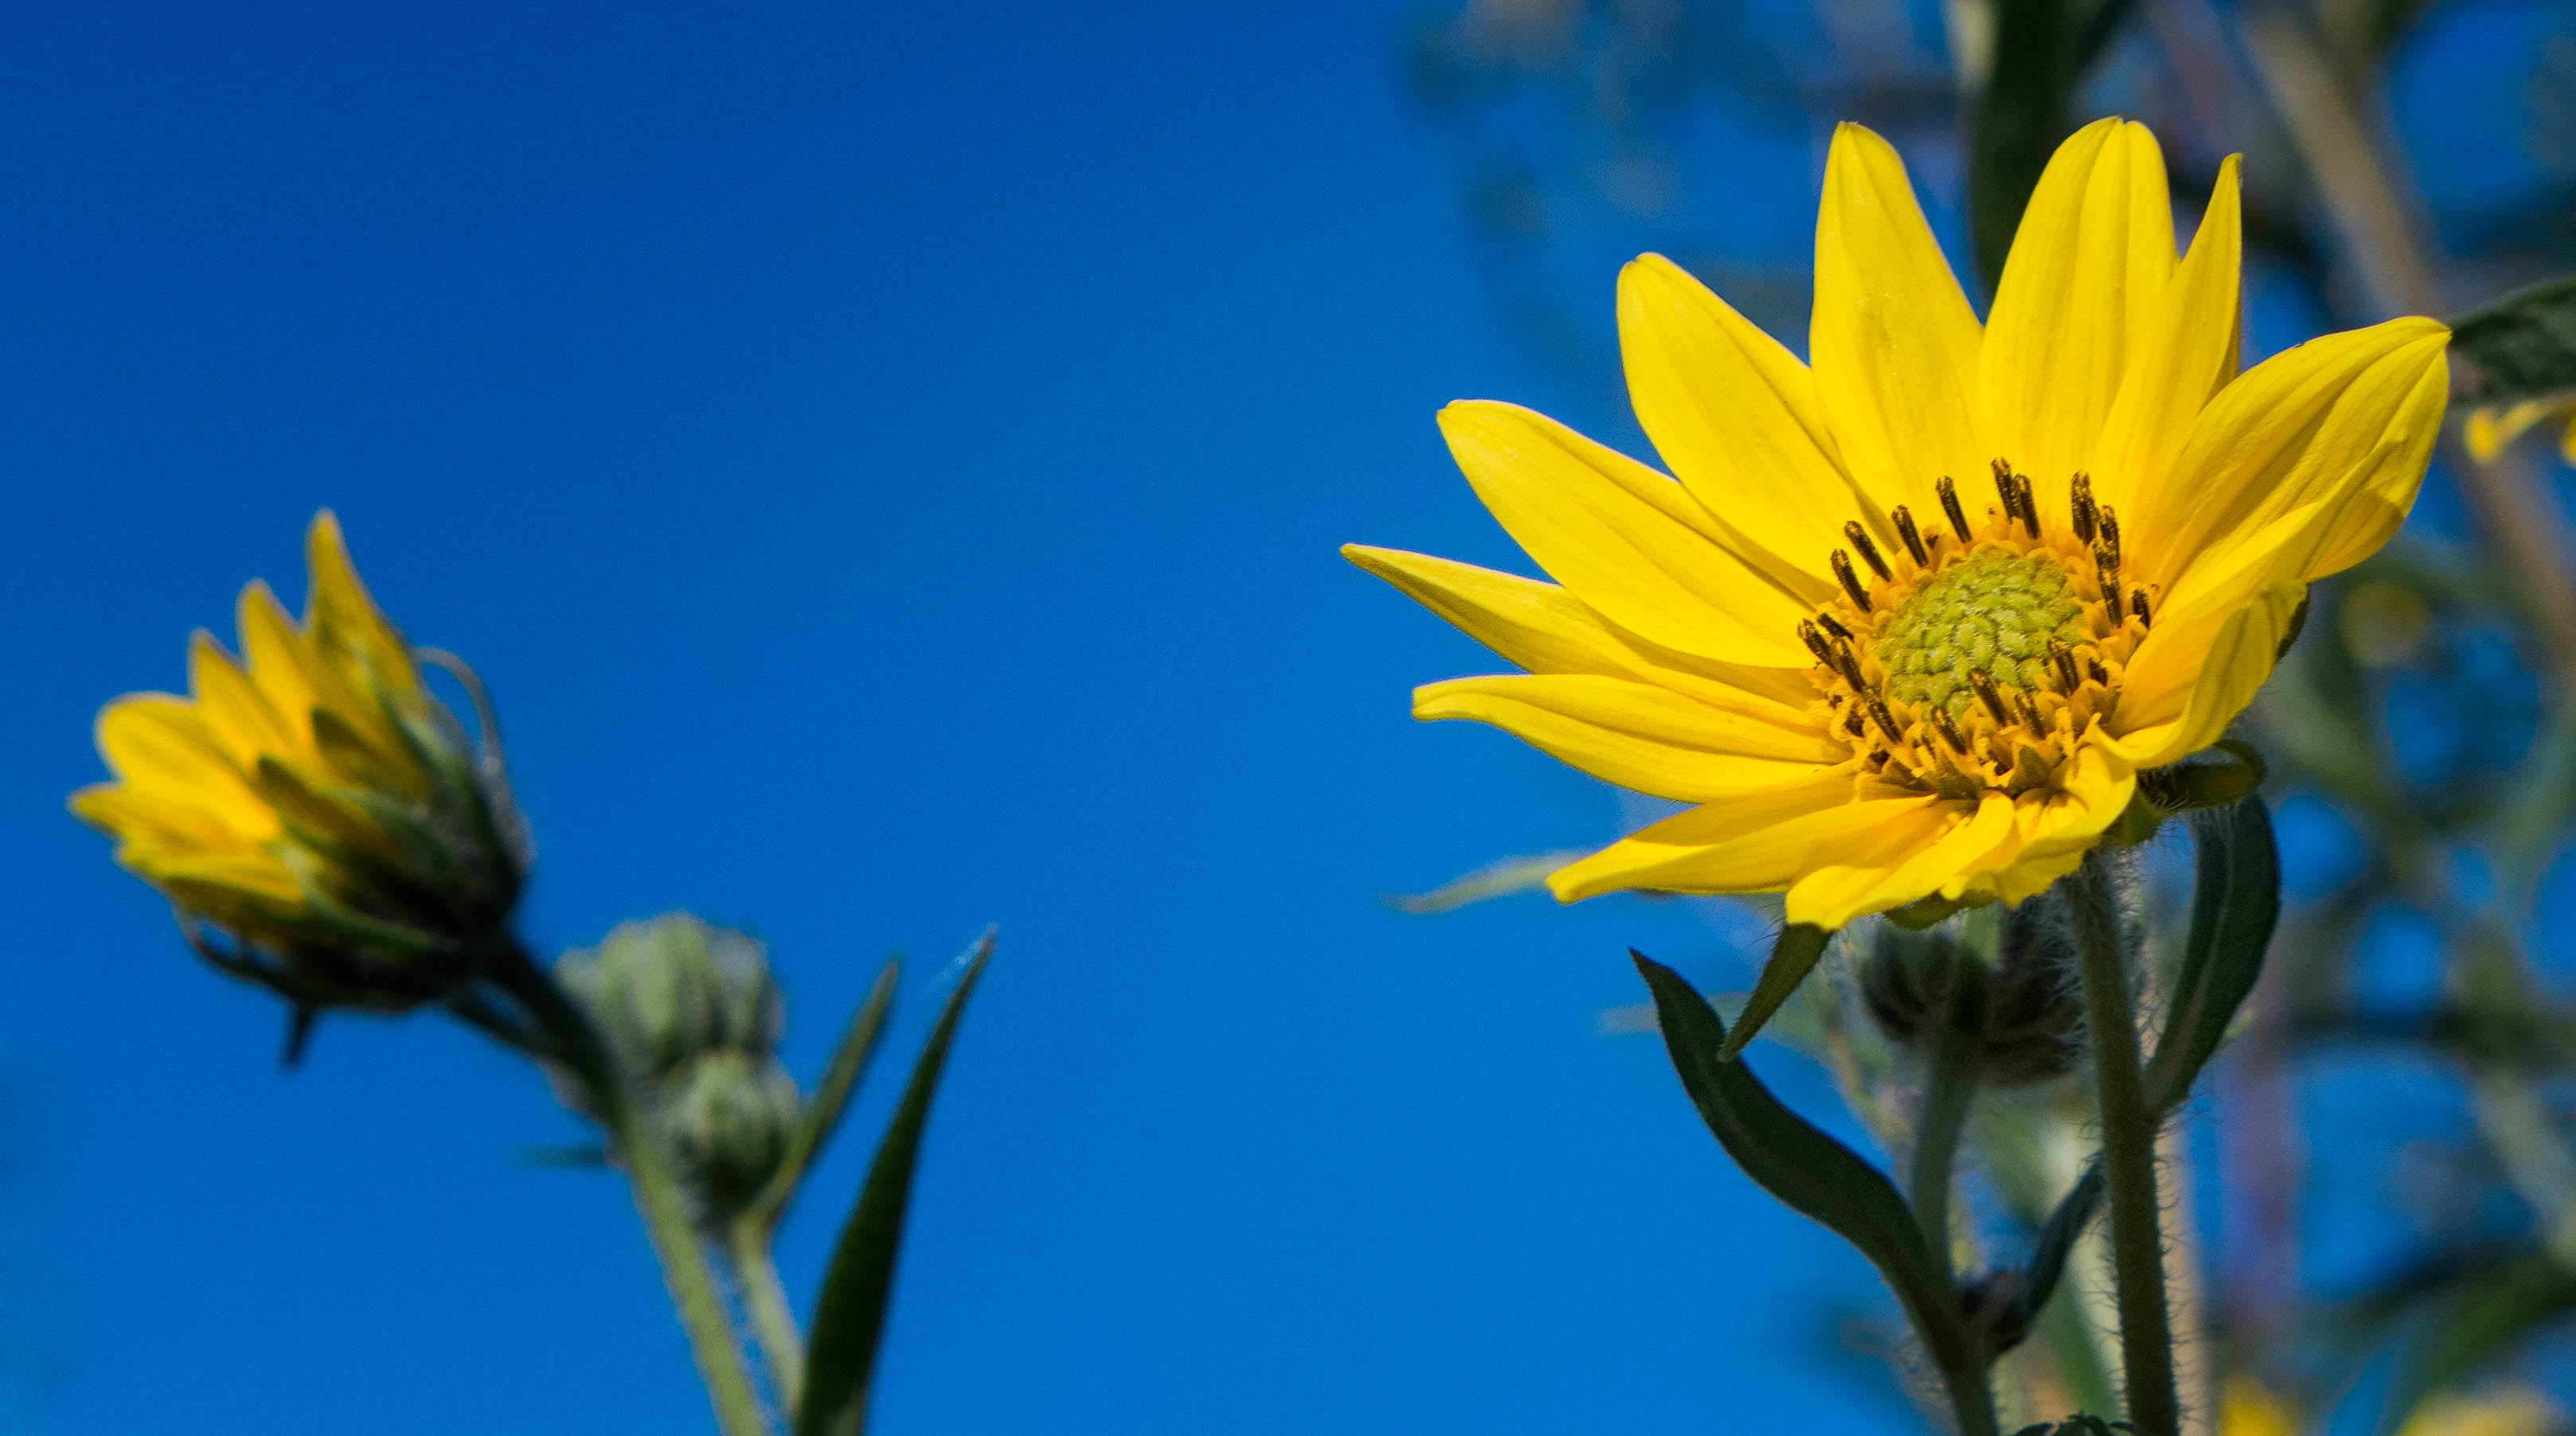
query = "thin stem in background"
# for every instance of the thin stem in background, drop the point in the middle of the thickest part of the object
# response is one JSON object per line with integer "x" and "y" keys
{"x": 658, "y": 1199}
{"x": 1949, "y": 1091}
{"x": 2128, "y": 1154}
{"x": 773, "y": 1324}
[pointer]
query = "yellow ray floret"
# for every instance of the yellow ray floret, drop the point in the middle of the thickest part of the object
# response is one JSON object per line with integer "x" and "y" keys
{"x": 1907, "y": 622}
{"x": 240, "y": 800}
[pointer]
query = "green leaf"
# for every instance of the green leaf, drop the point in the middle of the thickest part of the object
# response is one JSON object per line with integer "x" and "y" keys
{"x": 823, "y": 1111}
{"x": 1802, "y": 1166}
{"x": 2039, "y": 1277}
{"x": 1793, "y": 956}
{"x": 2236, "y": 899}
{"x": 849, "y": 1316}
{"x": 2520, "y": 347}
{"x": 2479, "y": 1322}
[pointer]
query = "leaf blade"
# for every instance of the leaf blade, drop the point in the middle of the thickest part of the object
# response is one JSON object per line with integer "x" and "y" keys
{"x": 2523, "y": 346}
{"x": 823, "y": 1111}
{"x": 1793, "y": 955}
{"x": 2236, "y": 901}
{"x": 849, "y": 1316}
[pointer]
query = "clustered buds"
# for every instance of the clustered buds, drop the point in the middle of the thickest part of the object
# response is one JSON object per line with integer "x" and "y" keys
{"x": 692, "y": 1019}
{"x": 2024, "y": 1015}
{"x": 323, "y": 823}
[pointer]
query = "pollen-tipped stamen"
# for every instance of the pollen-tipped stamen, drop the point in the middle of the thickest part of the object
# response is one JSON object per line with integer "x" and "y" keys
{"x": 2088, "y": 517}
{"x": 2111, "y": 535}
{"x": 2062, "y": 659}
{"x": 2016, "y": 494}
{"x": 1814, "y": 638}
{"x": 1868, "y": 551}
{"x": 1958, "y": 516}
{"x": 1886, "y": 721}
{"x": 1847, "y": 663}
{"x": 1948, "y": 728}
{"x": 1851, "y": 580}
{"x": 1835, "y": 627}
{"x": 1983, "y": 685}
{"x": 2138, "y": 606}
{"x": 1905, "y": 529}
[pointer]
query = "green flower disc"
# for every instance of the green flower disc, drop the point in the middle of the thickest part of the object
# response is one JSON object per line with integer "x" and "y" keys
{"x": 1994, "y": 611}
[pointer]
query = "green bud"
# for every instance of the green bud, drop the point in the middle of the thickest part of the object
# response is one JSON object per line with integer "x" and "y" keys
{"x": 2035, "y": 1014}
{"x": 727, "y": 1116}
{"x": 672, "y": 989}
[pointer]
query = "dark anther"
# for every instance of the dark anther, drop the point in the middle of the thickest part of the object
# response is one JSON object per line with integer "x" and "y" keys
{"x": 1989, "y": 695}
{"x": 2016, "y": 494}
{"x": 1958, "y": 516}
{"x": 1886, "y": 721}
{"x": 1814, "y": 638}
{"x": 2100, "y": 674}
{"x": 1868, "y": 551}
{"x": 1852, "y": 724}
{"x": 2087, "y": 517}
{"x": 2106, "y": 571}
{"x": 1913, "y": 536}
{"x": 2111, "y": 535}
{"x": 1849, "y": 663}
{"x": 1949, "y": 727}
{"x": 2062, "y": 658}
{"x": 1878, "y": 757}
{"x": 2030, "y": 714}
{"x": 1834, "y": 626}
{"x": 2138, "y": 606}
{"x": 1851, "y": 580}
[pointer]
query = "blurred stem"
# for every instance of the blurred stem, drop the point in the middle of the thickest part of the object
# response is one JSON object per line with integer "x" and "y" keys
{"x": 658, "y": 1199}
{"x": 773, "y": 1324}
{"x": 2128, "y": 1153}
{"x": 1949, "y": 1090}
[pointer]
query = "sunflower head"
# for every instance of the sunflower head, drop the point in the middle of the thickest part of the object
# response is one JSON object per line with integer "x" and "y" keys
{"x": 1911, "y": 619}
{"x": 318, "y": 816}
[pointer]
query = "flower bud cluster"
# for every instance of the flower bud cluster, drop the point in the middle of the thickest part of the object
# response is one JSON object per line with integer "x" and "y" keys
{"x": 2024, "y": 1017}
{"x": 692, "y": 1019}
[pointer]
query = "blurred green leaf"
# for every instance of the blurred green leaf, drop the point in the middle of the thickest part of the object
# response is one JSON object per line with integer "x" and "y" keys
{"x": 2047, "y": 1265}
{"x": 1802, "y": 1166}
{"x": 2235, "y": 901}
{"x": 1793, "y": 956}
{"x": 2520, "y": 347}
{"x": 2017, "y": 123}
{"x": 823, "y": 1111}
{"x": 2477, "y": 1322}
{"x": 849, "y": 1316}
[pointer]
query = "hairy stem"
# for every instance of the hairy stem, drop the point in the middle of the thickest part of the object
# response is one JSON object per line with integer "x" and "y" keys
{"x": 2128, "y": 1154}
{"x": 1950, "y": 1089}
{"x": 773, "y": 1324}
{"x": 658, "y": 1198}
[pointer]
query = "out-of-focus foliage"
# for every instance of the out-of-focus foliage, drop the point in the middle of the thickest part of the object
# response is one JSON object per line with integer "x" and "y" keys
{"x": 2382, "y": 1213}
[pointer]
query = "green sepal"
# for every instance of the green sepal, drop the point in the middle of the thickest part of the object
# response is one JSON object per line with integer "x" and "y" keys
{"x": 1930, "y": 912}
{"x": 2235, "y": 901}
{"x": 2298, "y": 624}
{"x": 2227, "y": 772}
{"x": 849, "y": 1315}
{"x": 1793, "y": 1160}
{"x": 2523, "y": 346}
{"x": 1793, "y": 956}
{"x": 823, "y": 1111}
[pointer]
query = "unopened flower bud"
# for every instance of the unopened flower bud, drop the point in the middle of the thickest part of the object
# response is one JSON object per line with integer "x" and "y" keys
{"x": 2035, "y": 1013}
{"x": 727, "y": 1116}
{"x": 667, "y": 991}
{"x": 1905, "y": 981}
{"x": 315, "y": 805}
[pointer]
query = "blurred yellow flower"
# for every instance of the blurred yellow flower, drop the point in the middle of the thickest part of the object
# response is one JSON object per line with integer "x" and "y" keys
{"x": 1876, "y": 686}
{"x": 2246, "y": 1407}
{"x": 314, "y": 798}
{"x": 2490, "y": 429}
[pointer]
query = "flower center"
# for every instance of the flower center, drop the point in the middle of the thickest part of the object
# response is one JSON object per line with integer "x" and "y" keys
{"x": 1974, "y": 657}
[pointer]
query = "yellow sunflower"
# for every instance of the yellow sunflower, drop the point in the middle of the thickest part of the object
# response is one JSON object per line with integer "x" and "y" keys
{"x": 313, "y": 798}
{"x": 1915, "y": 616}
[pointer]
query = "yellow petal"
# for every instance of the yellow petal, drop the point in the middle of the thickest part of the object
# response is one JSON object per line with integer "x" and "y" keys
{"x": 2490, "y": 429}
{"x": 343, "y": 617}
{"x": 278, "y": 659}
{"x": 2567, "y": 442}
{"x": 2189, "y": 354}
{"x": 1628, "y": 541}
{"x": 1636, "y": 735}
{"x": 232, "y": 706}
{"x": 1544, "y": 629}
{"x": 2286, "y": 433}
{"x": 2179, "y": 696}
{"x": 1893, "y": 340}
{"x": 1843, "y": 885}
{"x": 160, "y": 748}
{"x": 1736, "y": 418}
{"x": 2080, "y": 296}
{"x": 140, "y": 818}
{"x": 1760, "y": 842}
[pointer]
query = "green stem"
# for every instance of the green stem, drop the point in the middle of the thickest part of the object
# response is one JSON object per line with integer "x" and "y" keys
{"x": 658, "y": 1198}
{"x": 772, "y": 1322}
{"x": 2128, "y": 1155}
{"x": 1950, "y": 1089}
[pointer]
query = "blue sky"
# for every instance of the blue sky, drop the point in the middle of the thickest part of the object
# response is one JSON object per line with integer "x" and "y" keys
{"x": 887, "y": 462}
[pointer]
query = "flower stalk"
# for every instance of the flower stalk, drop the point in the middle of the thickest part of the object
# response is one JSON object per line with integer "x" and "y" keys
{"x": 2128, "y": 1153}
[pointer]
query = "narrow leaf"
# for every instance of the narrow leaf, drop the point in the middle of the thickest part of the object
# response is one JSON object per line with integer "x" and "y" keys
{"x": 2236, "y": 899}
{"x": 2047, "y": 1265}
{"x": 1793, "y": 956}
{"x": 823, "y": 1111}
{"x": 849, "y": 1316}
{"x": 2520, "y": 347}
{"x": 1803, "y": 1166}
